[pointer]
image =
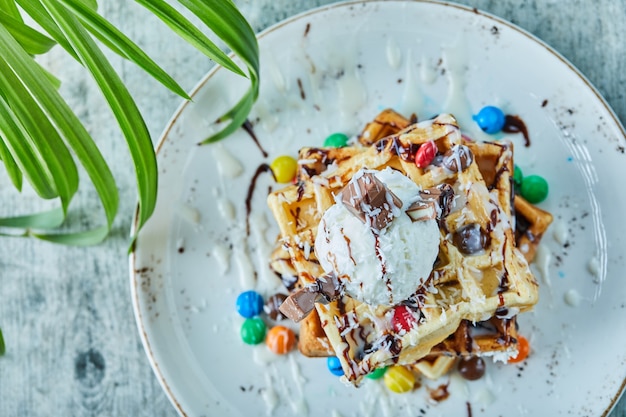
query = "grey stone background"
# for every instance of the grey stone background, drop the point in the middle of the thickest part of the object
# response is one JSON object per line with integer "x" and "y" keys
{"x": 72, "y": 344}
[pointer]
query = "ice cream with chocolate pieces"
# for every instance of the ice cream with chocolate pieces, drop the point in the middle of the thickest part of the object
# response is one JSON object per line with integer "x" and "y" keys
{"x": 380, "y": 253}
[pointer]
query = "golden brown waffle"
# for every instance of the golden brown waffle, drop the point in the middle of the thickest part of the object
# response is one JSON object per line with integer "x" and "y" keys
{"x": 387, "y": 123}
{"x": 530, "y": 225}
{"x": 462, "y": 287}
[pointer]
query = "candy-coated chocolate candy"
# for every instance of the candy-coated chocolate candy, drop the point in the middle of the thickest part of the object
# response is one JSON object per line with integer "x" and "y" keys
{"x": 518, "y": 177}
{"x": 272, "y": 306}
{"x": 334, "y": 366}
{"x": 471, "y": 368}
{"x": 284, "y": 168}
{"x": 402, "y": 319}
{"x": 249, "y": 304}
{"x": 523, "y": 350}
{"x": 425, "y": 154}
{"x": 490, "y": 119}
{"x": 253, "y": 331}
{"x": 534, "y": 189}
{"x": 377, "y": 373}
{"x": 336, "y": 140}
{"x": 280, "y": 339}
{"x": 399, "y": 379}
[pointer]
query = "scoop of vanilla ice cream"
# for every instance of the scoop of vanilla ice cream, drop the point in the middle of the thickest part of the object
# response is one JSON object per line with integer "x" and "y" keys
{"x": 379, "y": 267}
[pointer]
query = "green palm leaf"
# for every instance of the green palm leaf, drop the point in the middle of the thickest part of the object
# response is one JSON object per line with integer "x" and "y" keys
{"x": 52, "y": 152}
{"x": 16, "y": 141}
{"x": 39, "y": 134}
{"x": 10, "y": 8}
{"x": 119, "y": 43}
{"x": 2, "y": 346}
{"x": 39, "y": 14}
{"x": 186, "y": 30}
{"x": 227, "y": 23}
{"x": 68, "y": 125}
{"x": 32, "y": 41}
{"x": 121, "y": 103}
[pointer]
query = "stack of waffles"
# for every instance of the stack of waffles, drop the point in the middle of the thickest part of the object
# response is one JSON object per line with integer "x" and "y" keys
{"x": 469, "y": 303}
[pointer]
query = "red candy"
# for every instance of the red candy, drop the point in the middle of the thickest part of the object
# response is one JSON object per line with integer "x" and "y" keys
{"x": 425, "y": 154}
{"x": 403, "y": 319}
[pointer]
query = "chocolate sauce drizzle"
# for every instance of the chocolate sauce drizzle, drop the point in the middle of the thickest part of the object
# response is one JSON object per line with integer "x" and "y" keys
{"x": 406, "y": 153}
{"x": 514, "y": 124}
{"x": 383, "y": 267}
{"x": 261, "y": 169}
{"x": 247, "y": 126}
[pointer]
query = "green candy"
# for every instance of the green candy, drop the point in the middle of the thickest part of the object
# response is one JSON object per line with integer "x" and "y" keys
{"x": 336, "y": 140}
{"x": 534, "y": 189}
{"x": 253, "y": 331}
{"x": 377, "y": 373}
{"x": 518, "y": 177}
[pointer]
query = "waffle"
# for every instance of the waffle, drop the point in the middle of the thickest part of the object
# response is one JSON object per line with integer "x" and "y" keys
{"x": 462, "y": 288}
{"x": 531, "y": 223}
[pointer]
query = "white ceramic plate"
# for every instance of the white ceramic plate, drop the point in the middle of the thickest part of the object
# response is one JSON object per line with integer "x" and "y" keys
{"x": 332, "y": 70}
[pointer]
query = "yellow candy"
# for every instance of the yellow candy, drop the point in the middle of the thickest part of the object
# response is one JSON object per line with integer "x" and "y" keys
{"x": 399, "y": 379}
{"x": 284, "y": 168}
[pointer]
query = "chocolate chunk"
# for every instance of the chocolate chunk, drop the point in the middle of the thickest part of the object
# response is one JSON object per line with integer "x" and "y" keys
{"x": 443, "y": 195}
{"x": 471, "y": 239}
{"x": 459, "y": 155}
{"x": 434, "y": 203}
{"x": 370, "y": 200}
{"x": 328, "y": 287}
{"x": 421, "y": 210}
{"x": 300, "y": 303}
{"x": 272, "y": 306}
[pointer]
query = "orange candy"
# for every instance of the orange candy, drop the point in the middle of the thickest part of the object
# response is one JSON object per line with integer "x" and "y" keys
{"x": 280, "y": 339}
{"x": 524, "y": 350}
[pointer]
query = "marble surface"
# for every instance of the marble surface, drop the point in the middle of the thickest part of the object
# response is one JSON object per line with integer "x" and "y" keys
{"x": 72, "y": 343}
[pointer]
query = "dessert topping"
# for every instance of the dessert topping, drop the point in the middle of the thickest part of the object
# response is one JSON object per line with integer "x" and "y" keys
{"x": 284, "y": 168}
{"x": 471, "y": 368}
{"x": 370, "y": 200}
{"x": 280, "y": 339}
{"x": 334, "y": 366}
{"x": 253, "y": 331}
{"x": 425, "y": 154}
{"x": 523, "y": 350}
{"x": 399, "y": 379}
{"x": 534, "y": 189}
{"x": 471, "y": 239}
{"x": 403, "y": 319}
{"x": 490, "y": 119}
{"x": 377, "y": 373}
{"x": 272, "y": 306}
{"x": 249, "y": 304}
{"x": 434, "y": 203}
{"x": 301, "y": 302}
{"x": 336, "y": 140}
{"x": 458, "y": 156}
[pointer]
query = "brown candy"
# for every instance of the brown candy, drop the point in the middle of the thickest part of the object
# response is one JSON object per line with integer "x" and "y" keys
{"x": 370, "y": 200}
{"x": 471, "y": 239}
{"x": 272, "y": 306}
{"x": 471, "y": 368}
{"x": 458, "y": 155}
{"x": 300, "y": 303}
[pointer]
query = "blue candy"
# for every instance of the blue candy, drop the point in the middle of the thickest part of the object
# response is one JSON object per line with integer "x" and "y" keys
{"x": 490, "y": 119}
{"x": 249, "y": 304}
{"x": 334, "y": 366}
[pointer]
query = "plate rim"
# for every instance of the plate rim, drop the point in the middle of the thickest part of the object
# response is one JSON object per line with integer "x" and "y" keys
{"x": 134, "y": 275}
